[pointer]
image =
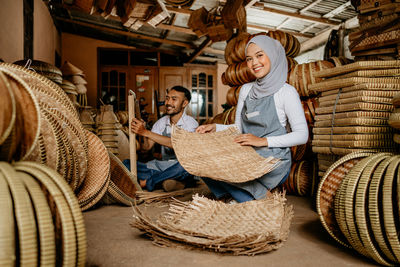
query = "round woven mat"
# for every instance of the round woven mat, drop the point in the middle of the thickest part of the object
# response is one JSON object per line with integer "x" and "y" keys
{"x": 27, "y": 123}
{"x": 7, "y": 102}
{"x": 98, "y": 174}
{"x": 217, "y": 156}
{"x": 327, "y": 189}
{"x": 24, "y": 217}
{"x": 7, "y": 232}
{"x": 74, "y": 234}
{"x": 44, "y": 220}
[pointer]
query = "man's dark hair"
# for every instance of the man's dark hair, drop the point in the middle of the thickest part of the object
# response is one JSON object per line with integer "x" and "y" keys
{"x": 184, "y": 90}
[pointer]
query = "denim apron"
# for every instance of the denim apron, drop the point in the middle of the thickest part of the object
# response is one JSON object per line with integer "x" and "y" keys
{"x": 259, "y": 117}
{"x": 168, "y": 157}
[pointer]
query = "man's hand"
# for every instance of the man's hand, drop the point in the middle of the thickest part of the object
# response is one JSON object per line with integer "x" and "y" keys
{"x": 251, "y": 140}
{"x": 139, "y": 127}
{"x": 206, "y": 128}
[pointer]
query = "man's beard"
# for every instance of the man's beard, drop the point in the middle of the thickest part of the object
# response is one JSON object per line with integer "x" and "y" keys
{"x": 173, "y": 110}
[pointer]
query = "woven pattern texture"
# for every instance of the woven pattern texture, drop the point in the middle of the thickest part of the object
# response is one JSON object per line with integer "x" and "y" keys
{"x": 242, "y": 229}
{"x": 217, "y": 156}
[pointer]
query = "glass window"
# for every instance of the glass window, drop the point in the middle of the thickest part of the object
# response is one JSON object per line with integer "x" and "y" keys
{"x": 202, "y": 103}
{"x": 113, "y": 57}
{"x": 113, "y": 78}
{"x": 202, "y": 80}
{"x": 143, "y": 58}
{"x": 104, "y": 78}
{"x": 210, "y": 110}
{"x": 194, "y": 81}
{"x": 210, "y": 81}
{"x": 210, "y": 95}
{"x": 122, "y": 79}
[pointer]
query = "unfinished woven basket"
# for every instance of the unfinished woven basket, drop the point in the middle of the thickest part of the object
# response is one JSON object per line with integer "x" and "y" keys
{"x": 217, "y": 156}
{"x": 247, "y": 228}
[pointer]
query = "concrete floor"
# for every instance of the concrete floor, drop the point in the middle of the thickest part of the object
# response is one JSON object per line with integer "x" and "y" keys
{"x": 112, "y": 242}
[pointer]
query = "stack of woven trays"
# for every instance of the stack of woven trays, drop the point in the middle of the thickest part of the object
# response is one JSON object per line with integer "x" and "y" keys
{"x": 378, "y": 37}
{"x": 70, "y": 89}
{"x": 107, "y": 126}
{"x": 77, "y": 77}
{"x": 248, "y": 228}
{"x": 48, "y": 70}
{"x": 394, "y": 119}
{"x": 41, "y": 222}
{"x": 357, "y": 202}
{"x": 86, "y": 116}
{"x": 354, "y": 107}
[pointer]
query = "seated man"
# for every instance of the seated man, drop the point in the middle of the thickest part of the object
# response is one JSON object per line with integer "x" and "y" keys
{"x": 167, "y": 171}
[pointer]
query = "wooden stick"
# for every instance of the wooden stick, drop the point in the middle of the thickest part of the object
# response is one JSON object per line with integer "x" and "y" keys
{"x": 132, "y": 136}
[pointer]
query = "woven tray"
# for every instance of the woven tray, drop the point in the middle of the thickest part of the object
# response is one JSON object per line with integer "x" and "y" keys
{"x": 363, "y": 87}
{"x": 369, "y": 73}
{"x": 355, "y": 107}
{"x": 330, "y": 84}
{"x": 353, "y": 137}
{"x": 98, "y": 174}
{"x": 74, "y": 236}
{"x": 356, "y": 143}
{"x": 123, "y": 184}
{"x": 354, "y": 114}
{"x": 25, "y": 222}
{"x": 44, "y": 220}
{"x": 8, "y": 229}
{"x": 351, "y": 95}
{"x": 363, "y": 99}
{"x": 359, "y": 65}
{"x": 360, "y": 211}
{"x": 248, "y": 228}
{"x": 379, "y": 40}
{"x": 374, "y": 212}
{"x": 326, "y": 192}
{"x": 354, "y": 130}
{"x": 352, "y": 121}
{"x": 217, "y": 156}
{"x": 345, "y": 151}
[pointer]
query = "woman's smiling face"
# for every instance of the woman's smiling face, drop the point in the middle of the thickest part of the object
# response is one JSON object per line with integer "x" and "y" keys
{"x": 257, "y": 61}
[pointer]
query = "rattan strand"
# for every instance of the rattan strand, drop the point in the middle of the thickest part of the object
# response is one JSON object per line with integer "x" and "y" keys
{"x": 8, "y": 229}
{"x": 217, "y": 156}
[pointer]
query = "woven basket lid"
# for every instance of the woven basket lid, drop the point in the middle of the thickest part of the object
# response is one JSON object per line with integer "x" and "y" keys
{"x": 361, "y": 212}
{"x": 81, "y": 88}
{"x": 39, "y": 66}
{"x": 353, "y": 130}
{"x": 44, "y": 220}
{"x": 365, "y": 99}
{"x": 343, "y": 151}
{"x": 384, "y": 143}
{"x": 374, "y": 210}
{"x": 7, "y": 119}
{"x": 370, "y": 73}
{"x": 359, "y": 65}
{"x": 7, "y": 233}
{"x": 73, "y": 226}
{"x": 217, "y": 156}
{"x": 27, "y": 124}
{"x": 361, "y": 121}
{"x": 24, "y": 217}
{"x": 69, "y": 69}
{"x": 364, "y": 86}
{"x": 327, "y": 189}
{"x": 209, "y": 225}
{"x": 329, "y": 84}
{"x": 367, "y": 106}
{"x": 360, "y": 93}
{"x": 77, "y": 79}
{"x": 352, "y": 137}
{"x": 123, "y": 184}
{"x": 98, "y": 174}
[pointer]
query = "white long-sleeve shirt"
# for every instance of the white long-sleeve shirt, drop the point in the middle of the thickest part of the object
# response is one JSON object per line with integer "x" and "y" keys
{"x": 288, "y": 107}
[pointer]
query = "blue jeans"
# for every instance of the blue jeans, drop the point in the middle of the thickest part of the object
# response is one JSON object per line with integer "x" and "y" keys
{"x": 220, "y": 189}
{"x": 154, "y": 177}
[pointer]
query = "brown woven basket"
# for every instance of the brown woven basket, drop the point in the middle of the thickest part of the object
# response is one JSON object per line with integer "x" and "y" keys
{"x": 8, "y": 114}
{"x": 8, "y": 227}
{"x": 211, "y": 155}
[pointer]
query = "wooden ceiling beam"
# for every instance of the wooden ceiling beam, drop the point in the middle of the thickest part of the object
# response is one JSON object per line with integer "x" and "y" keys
{"x": 250, "y": 3}
{"x": 200, "y": 50}
{"x": 214, "y": 51}
{"x": 175, "y": 28}
{"x": 263, "y": 28}
{"x": 126, "y": 33}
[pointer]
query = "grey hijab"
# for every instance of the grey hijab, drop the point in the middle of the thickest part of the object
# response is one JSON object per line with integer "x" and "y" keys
{"x": 276, "y": 78}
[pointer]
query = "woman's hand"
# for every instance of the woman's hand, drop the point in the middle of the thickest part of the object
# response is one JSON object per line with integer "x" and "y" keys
{"x": 206, "y": 128}
{"x": 251, "y": 140}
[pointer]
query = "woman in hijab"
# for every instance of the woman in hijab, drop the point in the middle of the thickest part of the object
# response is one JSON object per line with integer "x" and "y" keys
{"x": 264, "y": 108}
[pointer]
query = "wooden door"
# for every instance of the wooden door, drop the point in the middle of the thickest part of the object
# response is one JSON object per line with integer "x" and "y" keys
{"x": 169, "y": 77}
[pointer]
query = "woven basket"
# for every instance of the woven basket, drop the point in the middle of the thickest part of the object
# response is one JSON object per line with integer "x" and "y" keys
{"x": 354, "y": 130}
{"x": 369, "y": 73}
{"x": 300, "y": 178}
{"x": 359, "y": 65}
{"x": 330, "y": 84}
{"x": 354, "y": 114}
{"x": 364, "y": 99}
{"x": 344, "y": 151}
{"x": 211, "y": 155}
{"x": 326, "y": 192}
{"x": 248, "y": 228}
{"x": 356, "y": 143}
{"x": 39, "y": 66}
{"x": 352, "y": 137}
{"x": 98, "y": 174}
{"x": 364, "y": 86}
{"x": 235, "y": 49}
{"x": 7, "y": 233}
{"x": 8, "y": 114}
{"x": 77, "y": 79}
{"x": 350, "y": 95}
{"x": 362, "y": 121}
{"x": 355, "y": 107}
{"x": 68, "y": 69}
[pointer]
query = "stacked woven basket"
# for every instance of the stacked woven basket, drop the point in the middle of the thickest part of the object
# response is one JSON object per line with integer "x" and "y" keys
{"x": 394, "y": 118}
{"x": 70, "y": 89}
{"x": 41, "y": 221}
{"x": 357, "y": 202}
{"x": 77, "y": 77}
{"x": 48, "y": 70}
{"x": 86, "y": 116}
{"x": 378, "y": 37}
{"x": 354, "y": 108}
